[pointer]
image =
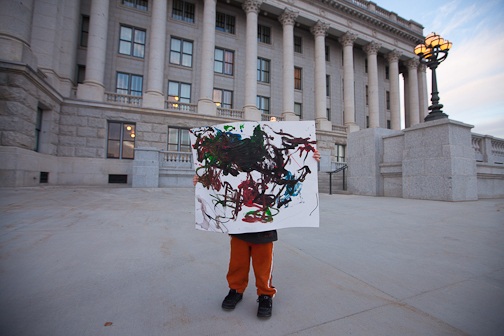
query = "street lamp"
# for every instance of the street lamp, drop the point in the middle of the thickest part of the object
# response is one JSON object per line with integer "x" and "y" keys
{"x": 433, "y": 52}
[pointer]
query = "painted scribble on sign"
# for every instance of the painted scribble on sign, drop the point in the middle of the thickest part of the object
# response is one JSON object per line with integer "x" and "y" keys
{"x": 255, "y": 176}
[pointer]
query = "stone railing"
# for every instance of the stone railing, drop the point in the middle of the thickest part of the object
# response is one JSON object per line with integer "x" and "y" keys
{"x": 360, "y": 3}
{"x": 339, "y": 128}
{"x": 171, "y": 159}
{"x": 488, "y": 148}
{"x": 267, "y": 117}
{"x": 123, "y": 99}
{"x": 230, "y": 113}
{"x": 178, "y": 106}
{"x": 337, "y": 165}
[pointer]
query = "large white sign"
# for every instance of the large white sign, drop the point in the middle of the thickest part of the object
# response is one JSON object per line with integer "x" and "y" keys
{"x": 255, "y": 176}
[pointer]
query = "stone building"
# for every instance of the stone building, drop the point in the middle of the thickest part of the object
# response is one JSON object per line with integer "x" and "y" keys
{"x": 87, "y": 85}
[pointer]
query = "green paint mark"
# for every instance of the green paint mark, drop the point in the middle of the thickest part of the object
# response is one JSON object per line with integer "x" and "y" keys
{"x": 229, "y": 128}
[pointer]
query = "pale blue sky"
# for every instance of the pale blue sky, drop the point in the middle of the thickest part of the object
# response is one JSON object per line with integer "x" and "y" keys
{"x": 471, "y": 79}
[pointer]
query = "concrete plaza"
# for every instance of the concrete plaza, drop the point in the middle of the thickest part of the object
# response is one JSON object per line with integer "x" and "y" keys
{"x": 74, "y": 258}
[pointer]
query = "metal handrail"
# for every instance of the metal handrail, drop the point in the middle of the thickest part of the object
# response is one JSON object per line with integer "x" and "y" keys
{"x": 342, "y": 168}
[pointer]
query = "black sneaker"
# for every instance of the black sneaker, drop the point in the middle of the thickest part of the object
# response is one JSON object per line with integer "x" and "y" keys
{"x": 265, "y": 306}
{"x": 232, "y": 299}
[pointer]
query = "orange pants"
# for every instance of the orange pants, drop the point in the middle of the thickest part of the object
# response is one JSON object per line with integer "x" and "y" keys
{"x": 239, "y": 266}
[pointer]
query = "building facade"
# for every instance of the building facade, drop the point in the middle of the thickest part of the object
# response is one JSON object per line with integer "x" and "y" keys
{"x": 86, "y": 84}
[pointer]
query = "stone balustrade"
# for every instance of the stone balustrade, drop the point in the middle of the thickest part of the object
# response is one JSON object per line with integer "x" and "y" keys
{"x": 178, "y": 106}
{"x": 172, "y": 159}
{"x": 230, "y": 113}
{"x": 488, "y": 148}
{"x": 339, "y": 128}
{"x": 123, "y": 99}
{"x": 267, "y": 117}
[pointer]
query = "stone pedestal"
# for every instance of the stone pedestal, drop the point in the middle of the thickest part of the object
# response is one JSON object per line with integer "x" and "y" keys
{"x": 207, "y": 106}
{"x": 364, "y": 154}
{"x": 153, "y": 100}
{"x": 439, "y": 162}
{"x": 324, "y": 124}
{"x": 146, "y": 168}
{"x": 252, "y": 113}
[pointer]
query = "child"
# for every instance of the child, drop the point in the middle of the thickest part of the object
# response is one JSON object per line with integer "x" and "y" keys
{"x": 259, "y": 247}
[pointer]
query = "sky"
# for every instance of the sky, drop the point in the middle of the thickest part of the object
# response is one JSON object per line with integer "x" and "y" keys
{"x": 471, "y": 79}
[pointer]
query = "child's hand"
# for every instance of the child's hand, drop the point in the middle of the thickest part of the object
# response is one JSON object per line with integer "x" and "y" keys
{"x": 316, "y": 155}
{"x": 195, "y": 180}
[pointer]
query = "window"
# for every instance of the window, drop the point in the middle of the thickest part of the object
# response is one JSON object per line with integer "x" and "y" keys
{"x": 129, "y": 84}
{"x": 183, "y": 11}
{"x": 223, "y": 98}
{"x": 178, "y": 140}
{"x": 365, "y": 65}
{"x": 180, "y": 92}
{"x": 387, "y": 96}
{"x": 132, "y": 41}
{"x": 327, "y": 54}
{"x": 38, "y": 129}
{"x": 263, "y": 104}
{"x": 342, "y": 58}
{"x": 339, "y": 153}
{"x": 298, "y": 110}
{"x": 138, "y": 4}
{"x": 387, "y": 72}
{"x": 298, "y": 44}
{"x": 367, "y": 121}
{"x": 120, "y": 140}
{"x": 367, "y": 96}
{"x": 181, "y": 52}
{"x": 81, "y": 73}
{"x": 297, "y": 79}
{"x": 328, "y": 86}
{"x": 329, "y": 114}
{"x": 388, "y": 124}
{"x": 263, "y": 34}
{"x": 223, "y": 61}
{"x": 263, "y": 70}
{"x": 84, "y": 31}
{"x": 225, "y": 23}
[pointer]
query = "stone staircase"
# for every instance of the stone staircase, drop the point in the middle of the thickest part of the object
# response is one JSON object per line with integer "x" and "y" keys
{"x": 337, "y": 183}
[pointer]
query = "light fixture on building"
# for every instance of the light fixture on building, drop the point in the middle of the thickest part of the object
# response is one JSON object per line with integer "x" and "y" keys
{"x": 133, "y": 135}
{"x": 273, "y": 119}
{"x": 218, "y": 104}
{"x": 128, "y": 128}
{"x": 432, "y": 52}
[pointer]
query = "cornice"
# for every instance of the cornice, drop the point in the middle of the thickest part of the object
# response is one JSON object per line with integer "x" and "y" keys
{"x": 369, "y": 17}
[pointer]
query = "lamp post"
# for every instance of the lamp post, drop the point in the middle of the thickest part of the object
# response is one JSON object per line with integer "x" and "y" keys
{"x": 433, "y": 52}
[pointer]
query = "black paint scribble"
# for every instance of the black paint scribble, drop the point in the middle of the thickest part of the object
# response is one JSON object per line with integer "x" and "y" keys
{"x": 223, "y": 153}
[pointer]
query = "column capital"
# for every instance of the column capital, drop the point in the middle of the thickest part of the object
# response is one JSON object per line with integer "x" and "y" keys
{"x": 412, "y": 63}
{"x": 393, "y": 56}
{"x": 348, "y": 39}
{"x": 422, "y": 67}
{"x": 372, "y": 48}
{"x": 288, "y": 17}
{"x": 320, "y": 28}
{"x": 252, "y": 6}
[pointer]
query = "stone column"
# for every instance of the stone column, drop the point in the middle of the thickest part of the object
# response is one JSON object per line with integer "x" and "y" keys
{"x": 423, "y": 95}
{"x": 206, "y": 104}
{"x": 320, "y": 30}
{"x": 406, "y": 100}
{"x": 395, "y": 103}
{"x": 414, "y": 110}
{"x": 288, "y": 18}
{"x": 93, "y": 88}
{"x": 371, "y": 50}
{"x": 251, "y": 7}
{"x": 153, "y": 96}
{"x": 15, "y": 31}
{"x": 347, "y": 41}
